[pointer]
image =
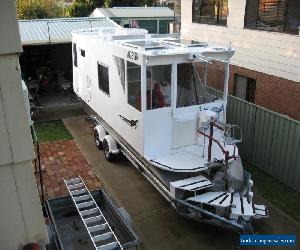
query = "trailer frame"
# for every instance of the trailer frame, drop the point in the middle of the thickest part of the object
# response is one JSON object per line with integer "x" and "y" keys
{"x": 183, "y": 208}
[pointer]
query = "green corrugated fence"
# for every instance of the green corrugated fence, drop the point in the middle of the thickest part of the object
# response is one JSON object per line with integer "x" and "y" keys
{"x": 271, "y": 141}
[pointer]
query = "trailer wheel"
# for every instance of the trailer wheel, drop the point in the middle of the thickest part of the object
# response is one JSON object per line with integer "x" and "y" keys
{"x": 107, "y": 154}
{"x": 99, "y": 144}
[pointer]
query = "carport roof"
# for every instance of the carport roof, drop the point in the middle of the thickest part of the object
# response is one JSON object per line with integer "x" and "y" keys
{"x": 57, "y": 30}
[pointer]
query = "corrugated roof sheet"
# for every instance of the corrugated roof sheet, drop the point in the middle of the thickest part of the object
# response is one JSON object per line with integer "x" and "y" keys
{"x": 131, "y": 12}
{"x": 58, "y": 30}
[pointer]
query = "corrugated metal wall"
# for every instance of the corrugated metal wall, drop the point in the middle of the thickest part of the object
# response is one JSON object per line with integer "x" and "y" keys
{"x": 271, "y": 141}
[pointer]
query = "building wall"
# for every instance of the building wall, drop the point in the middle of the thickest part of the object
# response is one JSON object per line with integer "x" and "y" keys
{"x": 21, "y": 215}
{"x": 274, "y": 93}
{"x": 10, "y": 42}
{"x": 273, "y": 59}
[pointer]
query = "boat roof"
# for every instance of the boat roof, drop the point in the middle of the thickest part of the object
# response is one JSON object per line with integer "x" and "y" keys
{"x": 140, "y": 41}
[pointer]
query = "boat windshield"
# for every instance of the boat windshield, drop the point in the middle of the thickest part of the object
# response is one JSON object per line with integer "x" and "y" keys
{"x": 194, "y": 82}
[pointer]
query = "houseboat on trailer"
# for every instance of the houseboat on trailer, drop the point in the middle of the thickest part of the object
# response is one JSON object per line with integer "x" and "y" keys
{"x": 149, "y": 99}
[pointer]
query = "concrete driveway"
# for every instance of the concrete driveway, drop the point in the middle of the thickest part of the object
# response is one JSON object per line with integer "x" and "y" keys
{"x": 156, "y": 222}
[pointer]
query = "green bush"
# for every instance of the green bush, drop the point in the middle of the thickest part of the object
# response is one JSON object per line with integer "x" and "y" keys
{"x": 37, "y": 9}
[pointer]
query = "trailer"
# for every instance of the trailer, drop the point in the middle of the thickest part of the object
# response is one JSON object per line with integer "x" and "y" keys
{"x": 69, "y": 232}
{"x": 149, "y": 99}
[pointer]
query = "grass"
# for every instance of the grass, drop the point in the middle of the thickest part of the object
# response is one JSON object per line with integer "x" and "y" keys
{"x": 52, "y": 131}
{"x": 276, "y": 192}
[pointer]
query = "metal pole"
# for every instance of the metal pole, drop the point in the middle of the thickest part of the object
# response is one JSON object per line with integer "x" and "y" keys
{"x": 48, "y": 29}
{"x": 174, "y": 88}
{"x": 211, "y": 133}
{"x": 38, "y": 160}
{"x": 40, "y": 171}
{"x": 195, "y": 89}
{"x": 205, "y": 80}
{"x": 226, "y": 170}
{"x": 35, "y": 166}
{"x": 225, "y": 90}
{"x": 227, "y": 68}
{"x": 143, "y": 86}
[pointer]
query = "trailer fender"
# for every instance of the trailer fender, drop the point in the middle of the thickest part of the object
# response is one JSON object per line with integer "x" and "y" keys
{"x": 101, "y": 132}
{"x": 112, "y": 144}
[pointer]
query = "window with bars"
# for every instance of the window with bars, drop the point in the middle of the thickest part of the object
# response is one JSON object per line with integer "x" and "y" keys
{"x": 244, "y": 88}
{"x": 273, "y": 15}
{"x": 210, "y": 12}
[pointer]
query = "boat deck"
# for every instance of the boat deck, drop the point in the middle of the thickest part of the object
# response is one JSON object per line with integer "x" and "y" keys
{"x": 187, "y": 159}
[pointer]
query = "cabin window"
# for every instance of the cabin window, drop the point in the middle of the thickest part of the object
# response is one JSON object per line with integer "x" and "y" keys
{"x": 120, "y": 64}
{"x": 75, "y": 55}
{"x": 273, "y": 15}
{"x": 191, "y": 88}
{"x": 244, "y": 88}
{"x": 134, "y": 85}
{"x": 82, "y": 52}
{"x": 103, "y": 78}
{"x": 210, "y": 12}
{"x": 159, "y": 86}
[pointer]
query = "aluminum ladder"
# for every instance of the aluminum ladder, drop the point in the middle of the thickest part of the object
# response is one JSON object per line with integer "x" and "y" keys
{"x": 99, "y": 230}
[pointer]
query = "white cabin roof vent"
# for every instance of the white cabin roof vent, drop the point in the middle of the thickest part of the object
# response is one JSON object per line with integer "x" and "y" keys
{"x": 146, "y": 45}
{"x": 185, "y": 43}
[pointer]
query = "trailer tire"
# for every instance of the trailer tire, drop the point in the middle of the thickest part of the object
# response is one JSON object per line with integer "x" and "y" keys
{"x": 107, "y": 154}
{"x": 99, "y": 144}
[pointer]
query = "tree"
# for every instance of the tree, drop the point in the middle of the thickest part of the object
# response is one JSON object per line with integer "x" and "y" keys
{"x": 36, "y": 9}
{"x": 125, "y": 3}
{"x": 107, "y": 3}
{"x": 80, "y": 8}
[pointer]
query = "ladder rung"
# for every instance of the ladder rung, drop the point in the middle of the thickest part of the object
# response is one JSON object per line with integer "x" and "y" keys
{"x": 90, "y": 211}
{"x": 82, "y": 198}
{"x": 93, "y": 219}
{"x": 73, "y": 181}
{"x": 101, "y": 237}
{"x": 75, "y": 186}
{"x": 80, "y": 191}
{"x": 97, "y": 228}
{"x": 86, "y": 204}
{"x": 109, "y": 246}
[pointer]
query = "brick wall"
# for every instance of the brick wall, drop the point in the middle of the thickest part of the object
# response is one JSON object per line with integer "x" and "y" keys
{"x": 274, "y": 93}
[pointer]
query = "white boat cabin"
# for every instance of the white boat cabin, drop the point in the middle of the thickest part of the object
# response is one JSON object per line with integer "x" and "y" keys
{"x": 151, "y": 90}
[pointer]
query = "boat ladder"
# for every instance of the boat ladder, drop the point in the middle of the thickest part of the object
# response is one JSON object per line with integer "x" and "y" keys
{"x": 100, "y": 232}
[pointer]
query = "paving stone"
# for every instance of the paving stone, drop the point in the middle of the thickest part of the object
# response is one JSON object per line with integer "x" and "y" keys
{"x": 63, "y": 160}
